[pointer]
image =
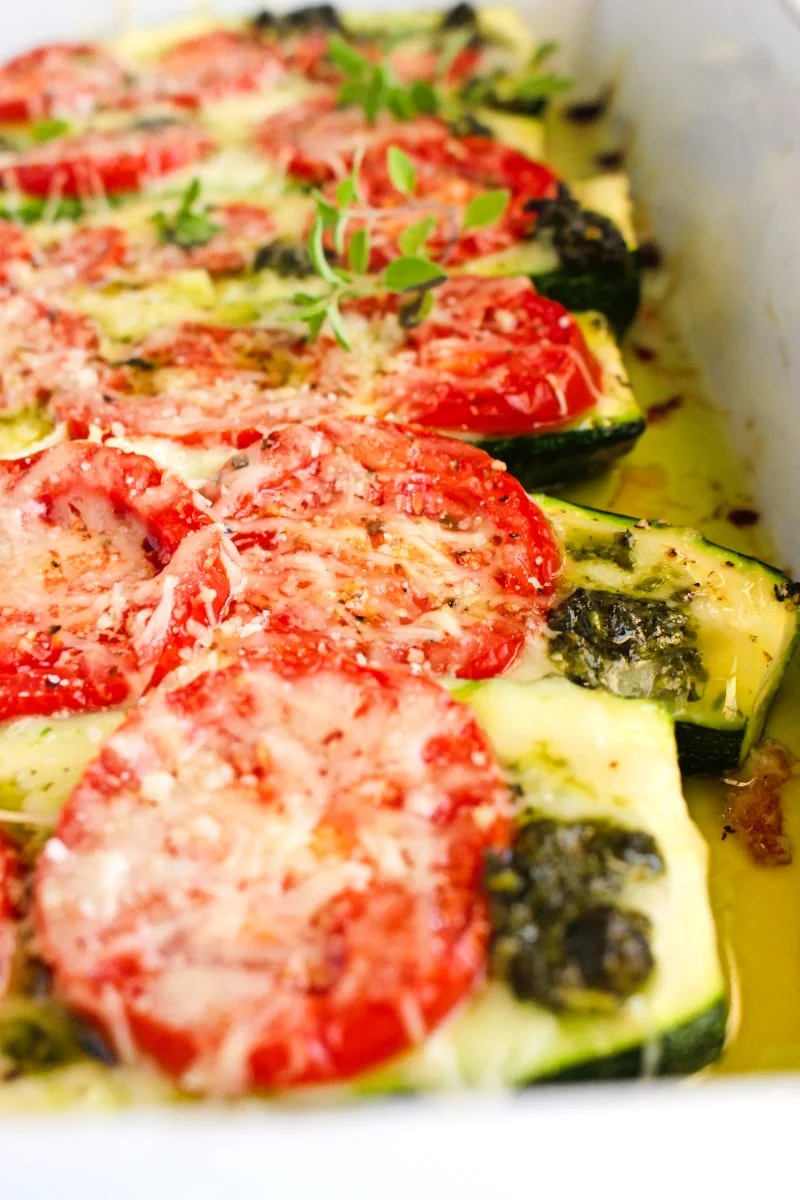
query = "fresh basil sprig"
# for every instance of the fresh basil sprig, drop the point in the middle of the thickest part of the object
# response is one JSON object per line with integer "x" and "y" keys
{"x": 191, "y": 225}
{"x": 412, "y": 273}
{"x": 374, "y": 88}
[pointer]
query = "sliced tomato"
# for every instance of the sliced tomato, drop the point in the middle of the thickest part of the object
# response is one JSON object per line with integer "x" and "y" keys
{"x": 106, "y": 161}
{"x": 42, "y": 349}
{"x": 109, "y": 569}
{"x": 216, "y": 64}
{"x": 295, "y": 894}
{"x": 315, "y": 140}
{"x": 493, "y": 358}
{"x": 15, "y": 247}
{"x": 9, "y": 895}
{"x": 58, "y": 80}
{"x": 450, "y": 172}
{"x": 92, "y": 254}
{"x": 399, "y": 544}
{"x": 100, "y": 254}
{"x": 211, "y": 385}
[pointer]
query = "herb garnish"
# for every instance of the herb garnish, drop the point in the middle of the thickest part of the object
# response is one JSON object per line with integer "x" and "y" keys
{"x": 374, "y": 88}
{"x": 191, "y": 225}
{"x": 413, "y": 272}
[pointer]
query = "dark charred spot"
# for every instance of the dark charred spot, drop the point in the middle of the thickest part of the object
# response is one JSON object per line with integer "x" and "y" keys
{"x": 467, "y": 125}
{"x": 742, "y": 518}
{"x": 657, "y": 412}
{"x": 584, "y": 112}
{"x": 727, "y": 830}
{"x": 139, "y": 364}
{"x": 460, "y": 16}
{"x": 309, "y": 19}
{"x": 787, "y": 591}
{"x": 610, "y": 160}
{"x": 643, "y": 353}
{"x": 650, "y": 256}
{"x": 287, "y": 259}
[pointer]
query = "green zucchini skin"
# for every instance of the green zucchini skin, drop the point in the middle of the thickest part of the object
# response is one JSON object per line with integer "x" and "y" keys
{"x": 616, "y": 297}
{"x": 706, "y": 751}
{"x": 687, "y": 1048}
{"x": 565, "y": 456}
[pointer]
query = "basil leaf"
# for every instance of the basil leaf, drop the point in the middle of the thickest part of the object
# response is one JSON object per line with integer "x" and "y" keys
{"x": 405, "y": 274}
{"x": 541, "y": 85}
{"x": 424, "y": 96}
{"x": 327, "y": 213}
{"x": 337, "y": 325}
{"x": 485, "y": 209}
{"x": 413, "y": 238}
{"x": 45, "y": 131}
{"x": 401, "y": 170}
{"x": 346, "y": 56}
{"x": 358, "y": 251}
{"x": 542, "y": 52}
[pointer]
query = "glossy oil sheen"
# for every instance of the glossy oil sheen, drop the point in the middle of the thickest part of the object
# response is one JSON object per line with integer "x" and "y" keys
{"x": 684, "y": 470}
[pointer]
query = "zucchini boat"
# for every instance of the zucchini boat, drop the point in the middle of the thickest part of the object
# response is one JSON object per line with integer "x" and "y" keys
{"x": 590, "y": 442}
{"x": 653, "y": 610}
{"x": 589, "y": 768}
{"x": 621, "y": 991}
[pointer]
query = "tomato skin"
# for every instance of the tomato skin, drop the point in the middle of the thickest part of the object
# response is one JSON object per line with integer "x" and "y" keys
{"x": 493, "y": 358}
{"x": 89, "y": 255}
{"x": 206, "y": 385}
{"x": 451, "y": 171}
{"x": 216, "y": 64}
{"x": 98, "y": 254}
{"x": 64, "y": 653}
{"x": 10, "y": 881}
{"x": 15, "y": 247}
{"x": 58, "y": 79}
{"x": 296, "y": 991}
{"x": 44, "y": 348}
{"x": 111, "y": 161}
{"x": 454, "y": 562}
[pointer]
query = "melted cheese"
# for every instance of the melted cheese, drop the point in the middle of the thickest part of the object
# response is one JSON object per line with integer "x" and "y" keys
{"x": 230, "y": 837}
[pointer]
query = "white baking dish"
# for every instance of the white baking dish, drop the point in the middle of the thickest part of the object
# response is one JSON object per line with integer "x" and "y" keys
{"x": 712, "y": 88}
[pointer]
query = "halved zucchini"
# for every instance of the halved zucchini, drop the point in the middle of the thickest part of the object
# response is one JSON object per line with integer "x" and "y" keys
{"x": 587, "y": 444}
{"x": 656, "y": 611}
{"x": 586, "y": 757}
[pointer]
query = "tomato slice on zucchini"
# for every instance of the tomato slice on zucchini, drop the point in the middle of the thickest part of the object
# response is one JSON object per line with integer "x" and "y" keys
{"x": 42, "y": 349}
{"x": 15, "y": 248}
{"x": 106, "y": 161}
{"x": 102, "y": 254}
{"x": 256, "y": 886}
{"x": 9, "y": 892}
{"x": 109, "y": 569}
{"x": 216, "y": 64}
{"x": 318, "y": 142}
{"x": 394, "y": 543}
{"x": 450, "y": 172}
{"x": 492, "y": 358}
{"x": 59, "y": 80}
{"x": 212, "y": 385}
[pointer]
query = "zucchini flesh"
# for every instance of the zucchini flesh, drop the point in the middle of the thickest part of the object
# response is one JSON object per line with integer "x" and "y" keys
{"x": 578, "y": 755}
{"x": 590, "y": 442}
{"x": 742, "y": 620}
